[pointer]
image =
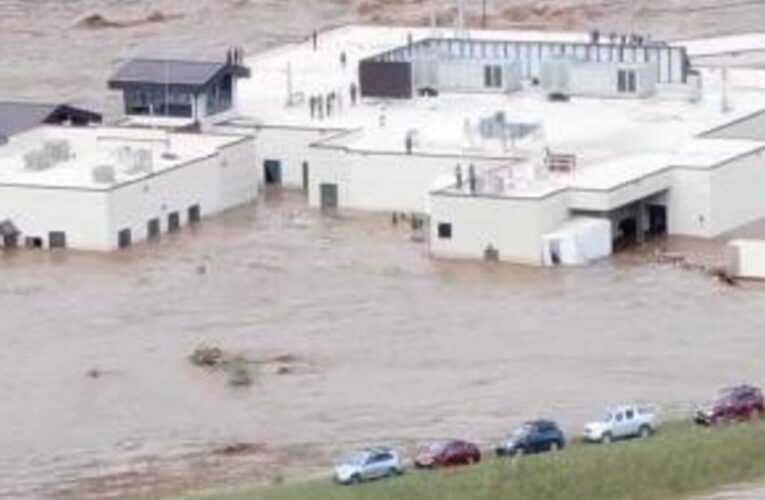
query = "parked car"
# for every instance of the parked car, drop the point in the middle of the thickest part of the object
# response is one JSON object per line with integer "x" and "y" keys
{"x": 447, "y": 454}
{"x": 533, "y": 437}
{"x": 369, "y": 464}
{"x": 734, "y": 404}
{"x": 621, "y": 422}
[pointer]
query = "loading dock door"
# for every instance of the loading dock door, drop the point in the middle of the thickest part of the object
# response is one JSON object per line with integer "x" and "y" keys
{"x": 272, "y": 172}
{"x": 329, "y": 197}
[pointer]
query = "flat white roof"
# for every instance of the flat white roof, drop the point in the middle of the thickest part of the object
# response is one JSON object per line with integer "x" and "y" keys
{"x": 614, "y": 140}
{"x": 95, "y": 147}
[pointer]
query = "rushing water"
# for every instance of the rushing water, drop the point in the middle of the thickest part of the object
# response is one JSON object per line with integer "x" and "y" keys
{"x": 98, "y": 398}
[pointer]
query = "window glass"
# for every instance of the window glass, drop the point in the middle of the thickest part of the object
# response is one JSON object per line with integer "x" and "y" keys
{"x": 445, "y": 231}
{"x": 630, "y": 414}
{"x": 619, "y": 417}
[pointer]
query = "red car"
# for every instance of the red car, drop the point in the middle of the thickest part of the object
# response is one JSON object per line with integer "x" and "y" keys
{"x": 447, "y": 454}
{"x": 735, "y": 404}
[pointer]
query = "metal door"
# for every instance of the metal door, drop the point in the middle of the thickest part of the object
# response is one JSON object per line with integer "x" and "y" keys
{"x": 329, "y": 197}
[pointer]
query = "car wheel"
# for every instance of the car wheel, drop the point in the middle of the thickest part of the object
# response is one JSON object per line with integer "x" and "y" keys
{"x": 355, "y": 479}
{"x": 607, "y": 438}
{"x": 756, "y": 414}
{"x": 394, "y": 472}
{"x": 519, "y": 452}
{"x": 554, "y": 446}
{"x": 645, "y": 432}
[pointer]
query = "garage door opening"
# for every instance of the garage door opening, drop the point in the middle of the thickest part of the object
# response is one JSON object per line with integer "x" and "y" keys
{"x": 195, "y": 214}
{"x": 627, "y": 234}
{"x": 272, "y": 172}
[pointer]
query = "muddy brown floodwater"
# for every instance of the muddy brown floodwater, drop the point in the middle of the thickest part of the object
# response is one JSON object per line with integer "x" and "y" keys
{"x": 382, "y": 344}
{"x": 363, "y": 338}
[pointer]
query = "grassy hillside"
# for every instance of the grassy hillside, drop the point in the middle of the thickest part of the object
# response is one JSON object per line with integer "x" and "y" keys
{"x": 681, "y": 459}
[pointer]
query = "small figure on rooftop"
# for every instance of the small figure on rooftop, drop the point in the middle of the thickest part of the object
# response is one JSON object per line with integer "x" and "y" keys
{"x": 354, "y": 93}
{"x": 315, "y": 37}
{"x": 408, "y": 143}
{"x": 472, "y": 179}
{"x": 343, "y": 59}
{"x": 458, "y": 176}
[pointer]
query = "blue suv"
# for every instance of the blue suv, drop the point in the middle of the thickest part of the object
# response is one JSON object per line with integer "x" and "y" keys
{"x": 533, "y": 437}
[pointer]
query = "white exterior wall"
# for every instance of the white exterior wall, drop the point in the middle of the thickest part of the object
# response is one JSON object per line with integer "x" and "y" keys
{"x": 215, "y": 183}
{"x": 386, "y": 182}
{"x": 82, "y": 215}
{"x": 290, "y": 146}
{"x": 689, "y": 203}
{"x": 512, "y": 226}
{"x": 601, "y": 79}
{"x": 738, "y": 193}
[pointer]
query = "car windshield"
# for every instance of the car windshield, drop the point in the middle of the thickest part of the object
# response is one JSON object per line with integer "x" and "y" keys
{"x": 356, "y": 459}
{"x": 521, "y": 431}
{"x": 436, "y": 448}
{"x": 608, "y": 417}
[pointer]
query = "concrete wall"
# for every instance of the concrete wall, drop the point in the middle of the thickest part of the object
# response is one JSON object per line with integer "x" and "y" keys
{"x": 601, "y": 80}
{"x": 83, "y": 215}
{"x": 386, "y": 182}
{"x": 512, "y": 226}
{"x": 747, "y": 258}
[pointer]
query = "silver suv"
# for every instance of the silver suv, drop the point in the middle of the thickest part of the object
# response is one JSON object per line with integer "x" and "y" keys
{"x": 368, "y": 464}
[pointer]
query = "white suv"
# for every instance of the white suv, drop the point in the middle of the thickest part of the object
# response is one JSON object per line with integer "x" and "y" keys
{"x": 621, "y": 422}
{"x": 372, "y": 463}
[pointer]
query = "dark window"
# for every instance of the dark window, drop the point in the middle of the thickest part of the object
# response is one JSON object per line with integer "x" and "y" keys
{"x": 158, "y": 100}
{"x": 124, "y": 238}
{"x": 305, "y": 176}
{"x": 619, "y": 417}
{"x": 174, "y": 222}
{"x": 492, "y": 77}
{"x": 626, "y": 81}
{"x": 33, "y": 242}
{"x": 445, "y": 231}
{"x": 630, "y": 414}
{"x": 195, "y": 214}
{"x": 153, "y": 229}
{"x": 57, "y": 239}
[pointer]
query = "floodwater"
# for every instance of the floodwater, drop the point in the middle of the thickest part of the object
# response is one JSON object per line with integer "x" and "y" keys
{"x": 361, "y": 337}
{"x": 381, "y": 344}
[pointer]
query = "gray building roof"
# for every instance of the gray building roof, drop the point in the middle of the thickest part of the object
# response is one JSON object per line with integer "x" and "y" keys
{"x": 190, "y": 74}
{"x": 18, "y": 117}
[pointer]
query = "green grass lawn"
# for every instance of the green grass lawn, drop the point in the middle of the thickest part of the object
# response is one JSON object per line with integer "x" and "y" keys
{"x": 681, "y": 459}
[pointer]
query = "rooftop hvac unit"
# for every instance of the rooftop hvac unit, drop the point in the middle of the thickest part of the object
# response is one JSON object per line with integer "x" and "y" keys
{"x": 37, "y": 161}
{"x": 57, "y": 150}
{"x": 104, "y": 174}
{"x": 143, "y": 160}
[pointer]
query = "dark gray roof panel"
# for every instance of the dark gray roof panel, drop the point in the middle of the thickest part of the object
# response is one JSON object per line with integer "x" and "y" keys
{"x": 190, "y": 73}
{"x": 17, "y": 117}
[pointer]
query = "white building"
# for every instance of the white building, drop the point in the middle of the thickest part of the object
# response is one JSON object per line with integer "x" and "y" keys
{"x": 106, "y": 188}
{"x": 573, "y": 144}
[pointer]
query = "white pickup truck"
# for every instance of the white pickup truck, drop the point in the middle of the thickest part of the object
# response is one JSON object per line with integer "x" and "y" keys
{"x": 621, "y": 422}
